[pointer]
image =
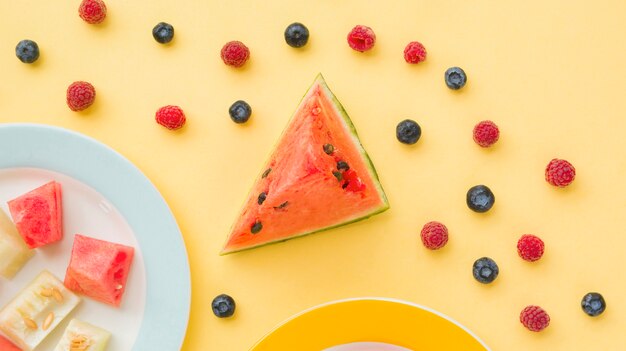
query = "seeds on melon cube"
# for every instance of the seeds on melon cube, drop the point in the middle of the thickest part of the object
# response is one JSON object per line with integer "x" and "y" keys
{"x": 13, "y": 251}
{"x": 38, "y": 215}
{"x": 99, "y": 269}
{"x": 6, "y": 345}
{"x": 34, "y": 313}
{"x": 83, "y": 336}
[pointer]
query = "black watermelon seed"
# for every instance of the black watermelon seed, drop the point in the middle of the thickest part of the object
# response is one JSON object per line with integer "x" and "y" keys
{"x": 281, "y": 206}
{"x": 345, "y": 185}
{"x": 329, "y": 149}
{"x": 256, "y": 227}
{"x": 262, "y": 197}
{"x": 342, "y": 166}
{"x": 266, "y": 173}
{"x": 338, "y": 175}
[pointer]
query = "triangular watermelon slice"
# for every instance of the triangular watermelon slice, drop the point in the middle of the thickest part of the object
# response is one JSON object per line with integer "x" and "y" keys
{"x": 38, "y": 215}
{"x": 318, "y": 177}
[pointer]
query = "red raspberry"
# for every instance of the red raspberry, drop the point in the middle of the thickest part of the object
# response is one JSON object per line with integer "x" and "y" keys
{"x": 235, "y": 53}
{"x": 486, "y": 133}
{"x": 530, "y": 247}
{"x": 534, "y": 318}
{"x": 434, "y": 235}
{"x": 80, "y": 95}
{"x": 361, "y": 38}
{"x": 171, "y": 117}
{"x": 414, "y": 52}
{"x": 560, "y": 173}
{"x": 92, "y": 11}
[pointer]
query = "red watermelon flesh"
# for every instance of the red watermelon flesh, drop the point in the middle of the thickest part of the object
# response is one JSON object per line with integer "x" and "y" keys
{"x": 38, "y": 215}
{"x": 99, "y": 269}
{"x": 6, "y": 345}
{"x": 304, "y": 188}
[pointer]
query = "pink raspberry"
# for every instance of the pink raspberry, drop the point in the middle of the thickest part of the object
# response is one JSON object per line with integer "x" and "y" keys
{"x": 434, "y": 235}
{"x": 486, "y": 133}
{"x": 235, "y": 53}
{"x": 80, "y": 95}
{"x": 530, "y": 247}
{"x": 92, "y": 11}
{"x": 534, "y": 318}
{"x": 560, "y": 173}
{"x": 414, "y": 52}
{"x": 361, "y": 38}
{"x": 171, "y": 117}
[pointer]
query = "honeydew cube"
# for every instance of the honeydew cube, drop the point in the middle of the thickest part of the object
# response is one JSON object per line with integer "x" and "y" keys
{"x": 34, "y": 313}
{"x": 83, "y": 336}
{"x": 13, "y": 251}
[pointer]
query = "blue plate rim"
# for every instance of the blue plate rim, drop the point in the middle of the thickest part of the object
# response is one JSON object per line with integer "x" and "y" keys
{"x": 168, "y": 281}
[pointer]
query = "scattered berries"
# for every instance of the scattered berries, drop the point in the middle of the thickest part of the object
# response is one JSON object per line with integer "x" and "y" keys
{"x": 434, "y": 235}
{"x": 296, "y": 35}
{"x": 163, "y": 32}
{"x": 235, "y": 53}
{"x": 455, "y": 78}
{"x": 223, "y": 306}
{"x": 534, "y": 318}
{"x": 171, "y": 117}
{"x": 240, "y": 111}
{"x": 560, "y": 173}
{"x": 486, "y": 133}
{"x": 593, "y": 304}
{"x": 485, "y": 270}
{"x": 80, "y": 95}
{"x": 414, "y": 52}
{"x": 92, "y": 11}
{"x": 530, "y": 247}
{"x": 408, "y": 132}
{"x": 27, "y": 51}
{"x": 361, "y": 38}
{"x": 480, "y": 198}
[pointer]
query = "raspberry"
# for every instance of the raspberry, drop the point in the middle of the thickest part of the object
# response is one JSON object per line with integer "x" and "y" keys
{"x": 171, "y": 117}
{"x": 486, "y": 133}
{"x": 361, "y": 38}
{"x": 534, "y": 318}
{"x": 235, "y": 53}
{"x": 530, "y": 247}
{"x": 80, "y": 95}
{"x": 560, "y": 173}
{"x": 414, "y": 52}
{"x": 92, "y": 11}
{"x": 434, "y": 235}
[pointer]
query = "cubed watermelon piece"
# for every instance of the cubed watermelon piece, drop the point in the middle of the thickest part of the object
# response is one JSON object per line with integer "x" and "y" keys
{"x": 38, "y": 215}
{"x": 13, "y": 251}
{"x": 6, "y": 345}
{"x": 99, "y": 269}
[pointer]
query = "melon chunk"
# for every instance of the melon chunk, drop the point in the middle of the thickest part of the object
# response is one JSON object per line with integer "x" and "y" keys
{"x": 99, "y": 269}
{"x": 38, "y": 215}
{"x": 83, "y": 336}
{"x": 318, "y": 177}
{"x": 6, "y": 345}
{"x": 13, "y": 251}
{"x": 34, "y": 313}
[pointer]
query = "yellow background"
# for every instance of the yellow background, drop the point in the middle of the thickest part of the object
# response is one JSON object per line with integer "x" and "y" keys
{"x": 551, "y": 74}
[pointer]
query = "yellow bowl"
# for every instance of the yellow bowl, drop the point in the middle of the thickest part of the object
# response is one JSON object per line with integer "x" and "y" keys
{"x": 381, "y": 320}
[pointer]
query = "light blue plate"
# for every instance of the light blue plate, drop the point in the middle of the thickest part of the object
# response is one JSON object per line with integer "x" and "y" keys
{"x": 168, "y": 288}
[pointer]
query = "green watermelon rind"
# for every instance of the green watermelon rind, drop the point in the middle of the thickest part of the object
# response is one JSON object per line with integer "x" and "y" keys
{"x": 370, "y": 166}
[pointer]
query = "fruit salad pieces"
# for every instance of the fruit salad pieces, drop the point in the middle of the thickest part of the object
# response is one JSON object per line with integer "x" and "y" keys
{"x": 13, "y": 251}
{"x": 81, "y": 336}
{"x": 36, "y": 311}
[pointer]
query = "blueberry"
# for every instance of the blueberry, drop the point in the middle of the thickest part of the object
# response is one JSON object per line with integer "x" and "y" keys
{"x": 163, "y": 32}
{"x": 223, "y": 306}
{"x": 240, "y": 111}
{"x": 480, "y": 198}
{"x": 27, "y": 51}
{"x": 455, "y": 78}
{"x": 296, "y": 35}
{"x": 593, "y": 304}
{"x": 485, "y": 270}
{"x": 408, "y": 132}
